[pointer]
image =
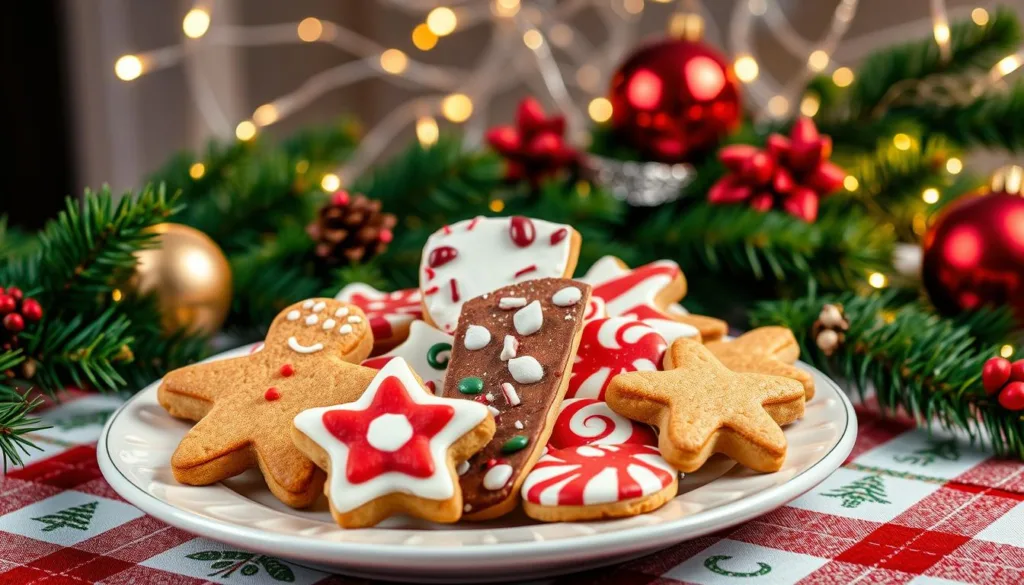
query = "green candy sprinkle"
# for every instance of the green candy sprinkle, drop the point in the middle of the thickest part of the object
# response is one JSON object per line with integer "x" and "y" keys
{"x": 471, "y": 385}
{"x": 516, "y": 443}
{"x": 438, "y": 355}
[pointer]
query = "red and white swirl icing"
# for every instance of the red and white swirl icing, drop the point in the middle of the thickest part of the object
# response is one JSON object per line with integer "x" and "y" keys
{"x": 633, "y": 293}
{"x": 589, "y": 421}
{"x": 475, "y": 256}
{"x": 414, "y": 350}
{"x": 387, "y": 311}
{"x": 597, "y": 474}
{"x": 609, "y": 347}
{"x": 595, "y": 309}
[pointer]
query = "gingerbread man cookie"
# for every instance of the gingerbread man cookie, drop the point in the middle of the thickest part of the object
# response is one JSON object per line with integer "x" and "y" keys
{"x": 646, "y": 294}
{"x": 765, "y": 350}
{"x": 427, "y": 351}
{"x": 475, "y": 256}
{"x": 245, "y": 405}
{"x": 513, "y": 350}
{"x": 390, "y": 313}
{"x": 592, "y": 482}
{"x": 609, "y": 347}
{"x": 701, "y": 407}
{"x": 393, "y": 450}
{"x": 587, "y": 421}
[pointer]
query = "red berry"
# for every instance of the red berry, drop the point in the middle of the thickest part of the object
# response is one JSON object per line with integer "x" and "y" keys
{"x": 2, "y": 291}
{"x": 994, "y": 374}
{"x": 15, "y": 292}
{"x": 1017, "y": 371}
{"x": 385, "y": 236}
{"x": 14, "y": 322}
{"x": 340, "y": 198}
{"x": 31, "y": 309}
{"x": 7, "y": 304}
{"x": 1012, "y": 397}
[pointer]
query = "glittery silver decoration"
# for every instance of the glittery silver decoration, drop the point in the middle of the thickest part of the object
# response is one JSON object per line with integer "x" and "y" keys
{"x": 641, "y": 184}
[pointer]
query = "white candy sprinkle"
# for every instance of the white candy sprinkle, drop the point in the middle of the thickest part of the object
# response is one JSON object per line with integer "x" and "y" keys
{"x": 511, "y": 302}
{"x": 489, "y": 397}
{"x": 355, "y": 319}
{"x": 568, "y": 317}
{"x": 497, "y": 476}
{"x": 345, "y": 329}
{"x": 567, "y": 297}
{"x": 477, "y": 337}
{"x": 467, "y": 507}
{"x": 494, "y": 411}
{"x": 328, "y": 324}
{"x": 462, "y": 468}
{"x": 293, "y": 315}
{"x": 509, "y": 349}
{"x": 510, "y": 394}
{"x": 308, "y": 304}
{"x": 519, "y": 424}
{"x": 341, "y": 312}
{"x": 312, "y": 320}
{"x": 526, "y": 369}
{"x": 319, "y": 307}
{"x": 528, "y": 320}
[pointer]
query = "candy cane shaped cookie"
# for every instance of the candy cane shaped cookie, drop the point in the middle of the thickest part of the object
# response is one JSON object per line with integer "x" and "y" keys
{"x": 588, "y": 421}
{"x": 591, "y": 482}
{"x": 390, "y": 313}
{"x": 476, "y": 256}
{"x": 610, "y": 347}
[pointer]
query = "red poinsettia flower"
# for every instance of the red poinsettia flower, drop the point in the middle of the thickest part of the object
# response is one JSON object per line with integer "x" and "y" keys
{"x": 535, "y": 147}
{"x": 791, "y": 174}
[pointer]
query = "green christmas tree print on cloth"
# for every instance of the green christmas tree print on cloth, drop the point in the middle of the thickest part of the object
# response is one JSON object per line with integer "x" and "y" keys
{"x": 867, "y": 489}
{"x": 76, "y": 517}
{"x": 77, "y": 421}
{"x": 225, "y": 563}
{"x": 711, "y": 564}
{"x": 947, "y": 450}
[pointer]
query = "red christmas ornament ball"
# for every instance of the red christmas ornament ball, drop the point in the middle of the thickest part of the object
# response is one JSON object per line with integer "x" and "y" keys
{"x": 674, "y": 99}
{"x": 1012, "y": 396}
{"x": 974, "y": 255}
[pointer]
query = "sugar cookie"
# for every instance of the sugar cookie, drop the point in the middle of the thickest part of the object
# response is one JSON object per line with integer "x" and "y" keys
{"x": 390, "y": 313}
{"x": 427, "y": 352}
{"x": 588, "y": 421}
{"x": 765, "y": 350}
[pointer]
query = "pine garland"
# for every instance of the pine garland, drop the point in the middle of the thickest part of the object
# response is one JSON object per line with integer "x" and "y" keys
{"x": 913, "y": 360}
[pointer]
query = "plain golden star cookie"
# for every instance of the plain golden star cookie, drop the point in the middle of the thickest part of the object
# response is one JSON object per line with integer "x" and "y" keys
{"x": 245, "y": 405}
{"x": 765, "y": 350}
{"x": 702, "y": 407}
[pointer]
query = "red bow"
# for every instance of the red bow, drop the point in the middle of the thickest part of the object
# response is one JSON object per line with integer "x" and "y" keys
{"x": 791, "y": 173}
{"x": 535, "y": 147}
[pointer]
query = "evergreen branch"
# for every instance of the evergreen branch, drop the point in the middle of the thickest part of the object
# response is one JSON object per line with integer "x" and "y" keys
{"x": 15, "y": 424}
{"x": 995, "y": 120}
{"x": 9, "y": 360}
{"x": 90, "y": 247}
{"x": 914, "y": 361}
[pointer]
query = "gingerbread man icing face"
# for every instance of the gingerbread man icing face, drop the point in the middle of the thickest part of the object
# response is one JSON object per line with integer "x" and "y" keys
{"x": 319, "y": 327}
{"x": 473, "y": 257}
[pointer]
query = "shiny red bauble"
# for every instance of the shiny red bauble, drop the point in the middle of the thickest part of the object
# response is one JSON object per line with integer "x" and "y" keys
{"x": 974, "y": 255}
{"x": 674, "y": 100}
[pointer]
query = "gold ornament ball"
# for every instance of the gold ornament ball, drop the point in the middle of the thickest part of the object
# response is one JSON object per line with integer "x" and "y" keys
{"x": 190, "y": 277}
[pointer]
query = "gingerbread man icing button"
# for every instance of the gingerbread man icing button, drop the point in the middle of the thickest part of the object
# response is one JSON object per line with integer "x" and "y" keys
{"x": 476, "y": 256}
{"x": 393, "y": 450}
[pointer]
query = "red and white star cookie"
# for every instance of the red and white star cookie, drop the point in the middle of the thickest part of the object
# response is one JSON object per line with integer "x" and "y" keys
{"x": 609, "y": 347}
{"x": 591, "y": 482}
{"x": 390, "y": 313}
{"x": 393, "y": 450}
{"x": 427, "y": 352}
{"x": 589, "y": 421}
{"x": 475, "y": 256}
{"x": 646, "y": 294}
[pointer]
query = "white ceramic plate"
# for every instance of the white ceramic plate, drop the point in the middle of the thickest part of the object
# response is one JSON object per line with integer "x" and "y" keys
{"x": 137, "y": 442}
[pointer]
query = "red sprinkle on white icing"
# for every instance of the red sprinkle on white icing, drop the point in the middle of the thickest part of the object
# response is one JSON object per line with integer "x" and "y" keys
{"x": 527, "y": 270}
{"x": 455, "y": 290}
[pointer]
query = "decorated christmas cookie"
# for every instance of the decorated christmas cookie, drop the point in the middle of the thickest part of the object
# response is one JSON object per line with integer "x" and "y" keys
{"x": 588, "y": 421}
{"x": 390, "y": 313}
{"x": 512, "y": 352}
{"x": 394, "y": 450}
{"x": 245, "y": 405}
{"x": 701, "y": 407}
{"x": 765, "y": 350}
{"x": 609, "y": 347}
{"x": 426, "y": 350}
{"x": 591, "y": 482}
{"x": 647, "y": 294}
{"x": 476, "y": 256}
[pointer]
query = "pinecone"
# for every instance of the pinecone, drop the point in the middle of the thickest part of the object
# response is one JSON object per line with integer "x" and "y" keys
{"x": 829, "y": 331}
{"x": 350, "y": 229}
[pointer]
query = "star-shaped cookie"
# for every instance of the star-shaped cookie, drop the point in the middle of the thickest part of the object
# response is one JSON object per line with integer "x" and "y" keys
{"x": 765, "y": 350}
{"x": 245, "y": 405}
{"x": 701, "y": 407}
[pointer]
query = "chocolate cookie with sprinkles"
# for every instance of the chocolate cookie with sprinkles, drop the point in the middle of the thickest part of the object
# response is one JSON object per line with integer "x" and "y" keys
{"x": 513, "y": 351}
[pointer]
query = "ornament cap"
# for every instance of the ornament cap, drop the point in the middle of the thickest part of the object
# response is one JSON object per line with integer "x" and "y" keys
{"x": 686, "y": 25}
{"x": 1008, "y": 179}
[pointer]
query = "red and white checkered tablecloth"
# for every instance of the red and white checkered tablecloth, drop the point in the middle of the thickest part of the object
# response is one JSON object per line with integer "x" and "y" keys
{"x": 905, "y": 508}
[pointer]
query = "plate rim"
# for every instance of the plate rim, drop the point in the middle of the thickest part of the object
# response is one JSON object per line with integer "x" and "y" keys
{"x": 645, "y": 537}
